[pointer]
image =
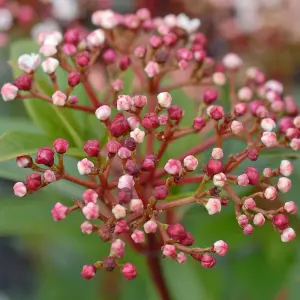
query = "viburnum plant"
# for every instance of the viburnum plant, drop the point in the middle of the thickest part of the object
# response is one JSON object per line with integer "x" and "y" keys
{"x": 129, "y": 176}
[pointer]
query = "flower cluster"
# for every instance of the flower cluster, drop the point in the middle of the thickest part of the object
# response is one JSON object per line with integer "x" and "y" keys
{"x": 126, "y": 184}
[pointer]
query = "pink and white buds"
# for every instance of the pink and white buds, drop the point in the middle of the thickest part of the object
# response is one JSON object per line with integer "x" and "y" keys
{"x": 126, "y": 181}
{"x": 259, "y": 219}
{"x": 248, "y": 229}
{"x": 219, "y": 78}
{"x": 296, "y": 121}
{"x": 213, "y": 206}
{"x": 48, "y": 50}
{"x": 29, "y": 62}
{"x": 220, "y": 247}
{"x": 216, "y": 112}
{"x": 138, "y": 236}
{"x": 270, "y": 193}
{"x": 243, "y": 180}
{"x": 288, "y": 235}
{"x": 86, "y": 227}
{"x": 129, "y": 271}
{"x": 152, "y": 69}
{"x": 103, "y": 112}
{"x": 85, "y": 167}
{"x": 59, "y": 98}
{"x": 164, "y": 99}
{"x": 61, "y": 146}
{"x": 136, "y": 205}
{"x": 274, "y": 85}
{"x": 9, "y": 92}
{"x": 267, "y": 172}
{"x": 124, "y": 153}
{"x": 284, "y": 184}
{"x": 24, "y": 161}
{"x": 236, "y": 127}
{"x": 173, "y": 167}
{"x": 139, "y": 101}
{"x": 295, "y": 144}
{"x": 88, "y": 271}
{"x": 117, "y": 248}
{"x": 249, "y": 203}
{"x": 169, "y": 251}
{"x": 242, "y": 220}
{"x": 269, "y": 139}
{"x": 59, "y": 212}
{"x": 290, "y": 207}
{"x": 213, "y": 167}
{"x": 45, "y": 156}
{"x": 96, "y": 38}
{"x": 207, "y": 261}
{"x": 150, "y": 226}
{"x": 106, "y": 19}
{"x": 91, "y": 211}
{"x": 90, "y": 196}
{"x": 49, "y": 176}
{"x": 286, "y": 168}
{"x": 119, "y": 211}
{"x": 20, "y": 189}
{"x": 245, "y": 94}
{"x": 190, "y": 163}
{"x": 268, "y": 124}
{"x": 133, "y": 122}
{"x": 219, "y": 179}
{"x": 121, "y": 227}
{"x": 124, "y": 102}
{"x": 217, "y": 153}
{"x": 181, "y": 258}
{"x": 232, "y": 61}
{"x": 138, "y": 135}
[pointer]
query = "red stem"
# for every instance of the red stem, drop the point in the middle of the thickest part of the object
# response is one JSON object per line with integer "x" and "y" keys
{"x": 92, "y": 96}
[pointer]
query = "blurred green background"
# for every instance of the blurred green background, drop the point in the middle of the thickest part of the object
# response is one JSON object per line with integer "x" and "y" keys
{"x": 41, "y": 259}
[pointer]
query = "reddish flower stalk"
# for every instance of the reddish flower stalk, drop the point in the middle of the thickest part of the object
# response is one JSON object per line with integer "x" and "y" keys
{"x": 132, "y": 186}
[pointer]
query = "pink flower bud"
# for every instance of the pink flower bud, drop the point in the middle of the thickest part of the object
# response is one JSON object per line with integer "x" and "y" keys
{"x": 85, "y": 166}
{"x": 219, "y": 179}
{"x": 33, "y": 181}
{"x": 164, "y": 99}
{"x": 148, "y": 165}
{"x": 200, "y": 56}
{"x": 140, "y": 52}
{"x": 113, "y": 147}
{"x": 183, "y": 64}
{"x": 124, "y": 153}
{"x": 119, "y": 211}
{"x": 169, "y": 251}
{"x": 199, "y": 123}
{"x": 267, "y": 172}
{"x": 176, "y": 232}
{"x": 59, "y": 212}
{"x": 49, "y": 176}
{"x": 152, "y": 69}
{"x": 240, "y": 109}
{"x": 285, "y": 123}
{"x": 20, "y": 189}
{"x": 213, "y": 167}
{"x": 103, "y": 112}
{"x": 213, "y": 206}
{"x": 133, "y": 122}
{"x": 245, "y": 94}
{"x": 253, "y": 154}
{"x": 150, "y": 226}
{"x": 117, "y": 85}
{"x": 259, "y": 219}
{"x": 217, "y": 153}
{"x": 290, "y": 207}
{"x": 125, "y": 62}
{"x": 90, "y": 196}
{"x": 161, "y": 192}
{"x": 267, "y": 124}
{"x": 72, "y": 36}
{"x": 219, "y": 78}
{"x": 129, "y": 271}
{"x": 291, "y": 105}
{"x": 288, "y": 235}
{"x": 61, "y": 146}
{"x": 83, "y": 58}
{"x": 252, "y": 175}
{"x": 243, "y": 180}
{"x": 138, "y": 236}
{"x": 121, "y": 227}
{"x": 24, "y": 161}
{"x": 181, "y": 258}
{"x": 150, "y": 121}
{"x": 126, "y": 181}
{"x": 45, "y": 156}
{"x": 243, "y": 220}
{"x": 210, "y": 96}
{"x": 175, "y": 112}
{"x": 184, "y": 54}
{"x": 92, "y": 148}
{"x": 96, "y": 38}
{"x": 69, "y": 49}
{"x": 86, "y": 227}
{"x": 48, "y": 50}
{"x": 139, "y": 101}
{"x": 124, "y": 102}
{"x": 91, "y": 211}
{"x": 220, "y": 247}
{"x": 119, "y": 125}
{"x": 216, "y": 112}
{"x": 173, "y": 167}
{"x": 248, "y": 229}
{"x": 23, "y": 82}
{"x": 138, "y": 135}
{"x": 232, "y": 62}
{"x": 286, "y": 168}
{"x": 295, "y": 144}
{"x": 106, "y": 19}
{"x": 274, "y": 85}
{"x": 296, "y": 121}
{"x": 277, "y": 106}
{"x": 29, "y": 62}
{"x": 9, "y": 92}
{"x": 188, "y": 240}
{"x": 73, "y": 78}
{"x": 284, "y": 184}
{"x": 190, "y": 163}
{"x": 50, "y": 65}
{"x": 280, "y": 221}
{"x": 249, "y": 203}
{"x": 292, "y": 133}
{"x": 88, "y": 271}
{"x": 207, "y": 261}
{"x": 73, "y": 99}
{"x": 59, "y": 98}
{"x": 117, "y": 248}
{"x": 236, "y": 127}
{"x": 155, "y": 41}
{"x": 270, "y": 193}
